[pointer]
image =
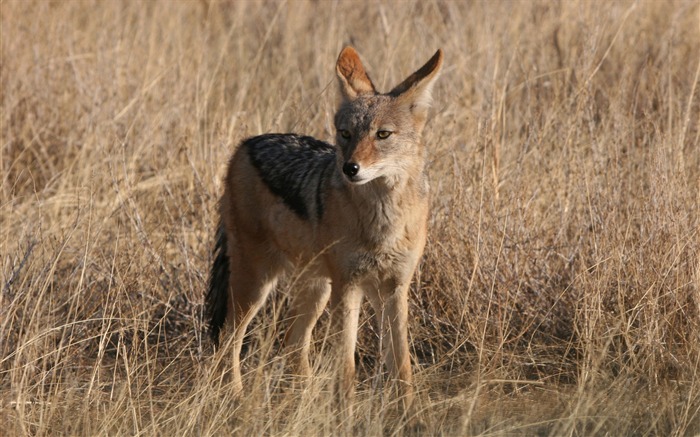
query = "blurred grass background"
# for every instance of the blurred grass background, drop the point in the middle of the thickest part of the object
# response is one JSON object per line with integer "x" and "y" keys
{"x": 560, "y": 287}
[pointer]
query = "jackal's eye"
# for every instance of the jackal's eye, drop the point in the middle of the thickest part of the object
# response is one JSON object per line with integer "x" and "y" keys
{"x": 345, "y": 134}
{"x": 383, "y": 134}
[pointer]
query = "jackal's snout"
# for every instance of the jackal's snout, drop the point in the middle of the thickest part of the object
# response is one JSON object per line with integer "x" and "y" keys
{"x": 360, "y": 167}
{"x": 359, "y": 160}
{"x": 351, "y": 169}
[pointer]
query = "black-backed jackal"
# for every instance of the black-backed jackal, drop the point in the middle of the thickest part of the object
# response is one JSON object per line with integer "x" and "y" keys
{"x": 352, "y": 217}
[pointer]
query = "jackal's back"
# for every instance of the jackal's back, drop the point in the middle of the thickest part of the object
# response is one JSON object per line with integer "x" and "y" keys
{"x": 294, "y": 168}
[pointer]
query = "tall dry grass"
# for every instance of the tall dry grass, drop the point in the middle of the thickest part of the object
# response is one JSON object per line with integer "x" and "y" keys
{"x": 560, "y": 289}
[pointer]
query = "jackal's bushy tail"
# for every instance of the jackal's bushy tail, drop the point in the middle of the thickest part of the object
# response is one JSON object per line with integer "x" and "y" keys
{"x": 216, "y": 302}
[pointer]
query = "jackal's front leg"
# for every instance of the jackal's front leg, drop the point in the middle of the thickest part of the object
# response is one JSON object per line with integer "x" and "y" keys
{"x": 392, "y": 307}
{"x": 345, "y": 312}
{"x": 305, "y": 310}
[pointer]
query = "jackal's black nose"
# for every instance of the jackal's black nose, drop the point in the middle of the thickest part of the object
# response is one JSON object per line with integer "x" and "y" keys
{"x": 351, "y": 168}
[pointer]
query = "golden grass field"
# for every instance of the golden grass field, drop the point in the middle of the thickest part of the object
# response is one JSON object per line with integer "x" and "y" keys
{"x": 559, "y": 294}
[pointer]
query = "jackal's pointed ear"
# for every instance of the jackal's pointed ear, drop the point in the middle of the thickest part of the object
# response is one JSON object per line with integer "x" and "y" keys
{"x": 352, "y": 76}
{"x": 417, "y": 88}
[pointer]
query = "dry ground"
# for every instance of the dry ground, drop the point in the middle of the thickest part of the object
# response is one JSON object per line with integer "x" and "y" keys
{"x": 560, "y": 290}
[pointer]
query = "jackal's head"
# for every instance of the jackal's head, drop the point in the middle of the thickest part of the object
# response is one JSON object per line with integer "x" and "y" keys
{"x": 379, "y": 134}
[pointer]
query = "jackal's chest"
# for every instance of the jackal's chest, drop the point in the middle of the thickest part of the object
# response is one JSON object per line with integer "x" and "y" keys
{"x": 383, "y": 242}
{"x": 393, "y": 255}
{"x": 376, "y": 265}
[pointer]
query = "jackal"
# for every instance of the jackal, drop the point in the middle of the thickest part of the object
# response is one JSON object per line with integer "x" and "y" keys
{"x": 351, "y": 217}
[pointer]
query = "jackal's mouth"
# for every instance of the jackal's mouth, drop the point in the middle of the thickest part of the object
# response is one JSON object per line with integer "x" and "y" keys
{"x": 357, "y": 179}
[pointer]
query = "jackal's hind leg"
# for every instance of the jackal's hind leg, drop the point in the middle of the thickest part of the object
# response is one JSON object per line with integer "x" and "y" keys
{"x": 251, "y": 280}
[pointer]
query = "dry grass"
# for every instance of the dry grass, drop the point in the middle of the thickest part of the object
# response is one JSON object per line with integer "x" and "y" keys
{"x": 560, "y": 290}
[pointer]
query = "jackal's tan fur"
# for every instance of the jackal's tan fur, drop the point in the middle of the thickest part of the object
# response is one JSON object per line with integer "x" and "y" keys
{"x": 352, "y": 217}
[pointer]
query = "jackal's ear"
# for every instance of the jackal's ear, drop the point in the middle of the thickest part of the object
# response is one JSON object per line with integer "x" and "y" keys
{"x": 352, "y": 76}
{"x": 417, "y": 88}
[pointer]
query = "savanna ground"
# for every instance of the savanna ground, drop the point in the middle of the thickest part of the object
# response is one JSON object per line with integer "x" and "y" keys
{"x": 560, "y": 289}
